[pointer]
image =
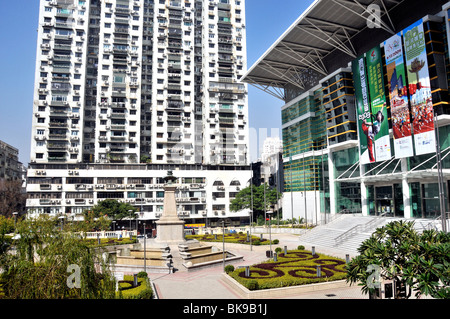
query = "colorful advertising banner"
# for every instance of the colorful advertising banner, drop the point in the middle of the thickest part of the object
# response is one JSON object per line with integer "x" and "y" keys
{"x": 379, "y": 131}
{"x": 398, "y": 97}
{"x": 363, "y": 113}
{"x": 419, "y": 89}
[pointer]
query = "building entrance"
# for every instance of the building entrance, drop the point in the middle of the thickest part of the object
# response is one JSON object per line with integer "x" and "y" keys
{"x": 384, "y": 200}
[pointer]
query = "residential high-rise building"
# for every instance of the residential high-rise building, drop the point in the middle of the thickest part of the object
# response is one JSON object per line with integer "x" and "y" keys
{"x": 128, "y": 82}
{"x": 120, "y": 81}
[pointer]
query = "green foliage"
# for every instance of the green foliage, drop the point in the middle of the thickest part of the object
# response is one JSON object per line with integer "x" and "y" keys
{"x": 301, "y": 247}
{"x": 39, "y": 269}
{"x": 111, "y": 208}
{"x": 297, "y": 267}
{"x": 142, "y": 291}
{"x": 243, "y": 199}
{"x": 231, "y": 238}
{"x": 6, "y": 225}
{"x": 420, "y": 261}
{"x": 278, "y": 250}
{"x": 229, "y": 268}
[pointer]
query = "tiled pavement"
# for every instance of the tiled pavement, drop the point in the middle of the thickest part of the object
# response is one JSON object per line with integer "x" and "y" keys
{"x": 207, "y": 283}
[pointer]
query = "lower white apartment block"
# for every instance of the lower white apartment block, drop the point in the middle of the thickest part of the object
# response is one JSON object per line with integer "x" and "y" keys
{"x": 203, "y": 195}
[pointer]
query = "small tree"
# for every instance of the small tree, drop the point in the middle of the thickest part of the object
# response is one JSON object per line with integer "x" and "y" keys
{"x": 399, "y": 253}
{"x": 44, "y": 260}
{"x": 244, "y": 198}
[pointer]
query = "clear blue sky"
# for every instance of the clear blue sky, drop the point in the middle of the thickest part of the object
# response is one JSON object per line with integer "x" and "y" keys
{"x": 266, "y": 21}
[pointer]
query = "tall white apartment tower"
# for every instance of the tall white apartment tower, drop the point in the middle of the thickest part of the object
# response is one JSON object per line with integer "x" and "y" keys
{"x": 130, "y": 81}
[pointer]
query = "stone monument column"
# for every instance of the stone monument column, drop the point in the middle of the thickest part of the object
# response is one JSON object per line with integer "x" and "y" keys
{"x": 170, "y": 228}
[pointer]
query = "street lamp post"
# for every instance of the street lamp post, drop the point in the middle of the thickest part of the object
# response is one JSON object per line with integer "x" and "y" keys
{"x": 270, "y": 231}
{"x": 15, "y": 220}
{"x": 130, "y": 212}
{"x": 223, "y": 244}
{"x": 145, "y": 250}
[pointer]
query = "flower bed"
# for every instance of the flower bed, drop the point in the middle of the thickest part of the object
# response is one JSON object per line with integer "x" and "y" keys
{"x": 297, "y": 267}
{"x": 236, "y": 238}
{"x": 127, "y": 291}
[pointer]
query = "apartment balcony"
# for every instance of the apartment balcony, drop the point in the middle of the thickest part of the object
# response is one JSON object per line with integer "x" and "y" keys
{"x": 117, "y": 127}
{"x": 56, "y": 158}
{"x": 64, "y": 25}
{"x": 57, "y": 136}
{"x": 118, "y": 115}
{"x": 57, "y": 147}
{"x": 121, "y": 30}
{"x": 58, "y": 125}
{"x": 64, "y": 58}
{"x": 226, "y": 120}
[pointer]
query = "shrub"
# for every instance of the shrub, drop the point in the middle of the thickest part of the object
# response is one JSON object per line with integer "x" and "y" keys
{"x": 229, "y": 268}
{"x": 278, "y": 250}
{"x": 142, "y": 291}
{"x": 142, "y": 274}
{"x": 301, "y": 247}
{"x": 275, "y": 241}
{"x": 252, "y": 285}
{"x": 295, "y": 268}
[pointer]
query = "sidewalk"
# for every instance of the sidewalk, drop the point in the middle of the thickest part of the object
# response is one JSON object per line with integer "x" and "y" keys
{"x": 207, "y": 283}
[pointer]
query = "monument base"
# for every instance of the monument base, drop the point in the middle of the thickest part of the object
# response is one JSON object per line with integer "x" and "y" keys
{"x": 170, "y": 232}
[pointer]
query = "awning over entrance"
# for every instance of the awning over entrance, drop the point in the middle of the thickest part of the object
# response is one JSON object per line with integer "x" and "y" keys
{"x": 328, "y": 35}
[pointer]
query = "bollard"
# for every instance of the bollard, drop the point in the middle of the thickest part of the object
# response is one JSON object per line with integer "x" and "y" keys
{"x": 313, "y": 250}
{"x": 319, "y": 271}
{"x": 135, "y": 280}
{"x": 275, "y": 256}
{"x": 247, "y": 271}
{"x": 285, "y": 250}
{"x": 347, "y": 258}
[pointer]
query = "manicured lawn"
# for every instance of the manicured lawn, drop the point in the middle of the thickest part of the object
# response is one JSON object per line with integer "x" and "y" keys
{"x": 110, "y": 241}
{"x": 236, "y": 238}
{"x": 297, "y": 267}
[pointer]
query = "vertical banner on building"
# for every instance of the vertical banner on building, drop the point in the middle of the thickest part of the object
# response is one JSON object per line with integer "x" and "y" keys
{"x": 398, "y": 97}
{"x": 380, "y": 125}
{"x": 419, "y": 89}
{"x": 363, "y": 113}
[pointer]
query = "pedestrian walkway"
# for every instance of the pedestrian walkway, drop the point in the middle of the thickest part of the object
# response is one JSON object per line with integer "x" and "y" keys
{"x": 207, "y": 283}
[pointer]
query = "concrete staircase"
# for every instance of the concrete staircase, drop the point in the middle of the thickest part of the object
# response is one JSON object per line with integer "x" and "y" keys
{"x": 346, "y": 233}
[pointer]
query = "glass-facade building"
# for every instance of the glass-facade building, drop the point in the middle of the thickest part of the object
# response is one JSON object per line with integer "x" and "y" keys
{"x": 324, "y": 173}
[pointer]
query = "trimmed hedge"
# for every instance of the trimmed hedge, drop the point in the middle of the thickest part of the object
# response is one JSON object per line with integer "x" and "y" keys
{"x": 297, "y": 267}
{"x": 236, "y": 238}
{"x": 142, "y": 291}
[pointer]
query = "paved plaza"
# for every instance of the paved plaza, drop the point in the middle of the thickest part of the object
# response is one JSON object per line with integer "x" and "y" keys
{"x": 208, "y": 283}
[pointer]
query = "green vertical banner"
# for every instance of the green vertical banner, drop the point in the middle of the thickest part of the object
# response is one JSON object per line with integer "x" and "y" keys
{"x": 363, "y": 113}
{"x": 419, "y": 89}
{"x": 379, "y": 132}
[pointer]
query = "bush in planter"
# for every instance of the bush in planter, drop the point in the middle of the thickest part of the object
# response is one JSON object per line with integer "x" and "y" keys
{"x": 275, "y": 241}
{"x": 252, "y": 285}
{"x": 142, "y": 274}
{"x": 301, "y": 247}
{"x": 229, "y": 268}
{"x": 278, "y": 250}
